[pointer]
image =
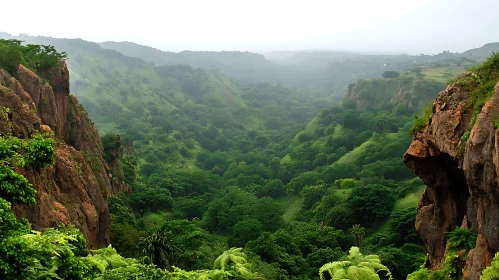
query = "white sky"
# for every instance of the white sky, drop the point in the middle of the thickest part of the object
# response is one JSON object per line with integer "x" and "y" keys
{"x": 416, "y": 26}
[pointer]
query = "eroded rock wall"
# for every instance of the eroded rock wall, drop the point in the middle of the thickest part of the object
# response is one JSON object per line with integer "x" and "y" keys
{"x": 461, "y": 177}
{"x": 74, "y": 189}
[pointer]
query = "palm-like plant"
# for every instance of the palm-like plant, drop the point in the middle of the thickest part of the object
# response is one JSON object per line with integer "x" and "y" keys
{"x": 233, "y": 262}
{"x": 356, "y": 267}
{"x": 159, "y": 247}
{"x": 358, "y": 233}
{"x": 233, "y": 255}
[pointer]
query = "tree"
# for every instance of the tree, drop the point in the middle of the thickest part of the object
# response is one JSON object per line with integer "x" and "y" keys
{"x": 245, "y": 231}
{"x": 340, "y": 217}
{"x": 159, "y": 248}
{"x": 35, "y": 57}
{"x": 10, "y": 57}
{"x": 145, "y": 199}
{"x": 402, "y": 225}
{"x": 417, "y": 70}
{"x": 390, "y": 74}
{"x": 274, "y": 166}
{"x": 358, "y": 233}
{"x": 311, "y": 195}
{"x": 371, "y": 203}
{"x": 279, "y": 248}
{"x": 356, "y": 267}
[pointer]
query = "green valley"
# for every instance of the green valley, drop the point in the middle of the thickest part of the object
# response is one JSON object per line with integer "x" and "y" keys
{"x": 294, "y": 157}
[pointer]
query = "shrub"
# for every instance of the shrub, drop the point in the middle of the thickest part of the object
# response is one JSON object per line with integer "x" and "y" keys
{"x": 35, "y": 57}
{"x": 420, "y": 121}
{"x": 461, "y": 238}
{"x": 390, "y": 74}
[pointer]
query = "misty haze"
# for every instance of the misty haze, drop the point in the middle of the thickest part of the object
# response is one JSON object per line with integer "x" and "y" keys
{"x": 249, "y": 140}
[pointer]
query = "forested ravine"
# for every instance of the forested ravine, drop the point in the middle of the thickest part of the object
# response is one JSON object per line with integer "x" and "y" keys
{"x": 193, "y": 173}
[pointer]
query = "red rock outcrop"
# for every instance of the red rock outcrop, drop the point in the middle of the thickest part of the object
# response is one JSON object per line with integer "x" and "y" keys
{"x": 74, "y": 189}
{"x": 461, "y": 177}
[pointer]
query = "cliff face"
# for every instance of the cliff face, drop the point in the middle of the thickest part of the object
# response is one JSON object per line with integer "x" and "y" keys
{"x": 408, "y": 92}
{"x": 461, "y": 177}
{"x": 74, "y": 189}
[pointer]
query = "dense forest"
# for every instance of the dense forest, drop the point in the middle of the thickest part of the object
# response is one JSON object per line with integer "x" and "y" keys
{"x": 240, "y": 167}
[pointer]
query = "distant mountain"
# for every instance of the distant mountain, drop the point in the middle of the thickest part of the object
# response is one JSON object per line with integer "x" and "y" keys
{"x": 242, "y": 66}
{"x": 147, "y": 53}
{"x": 309, "y": 58}
{"x": 483, "y": 52}
{"x": 193, "y": 58}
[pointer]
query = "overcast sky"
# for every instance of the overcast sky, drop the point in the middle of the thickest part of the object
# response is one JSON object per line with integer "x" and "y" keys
{"x": 415, "y": 26}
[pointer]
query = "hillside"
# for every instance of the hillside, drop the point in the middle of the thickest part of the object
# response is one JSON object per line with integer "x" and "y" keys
{"x": 196, "y": 59}
{"x": 403, "y": 93}
{"x": 202, "y": 108}
{"x": 482, "y": 53}
{"x": 110, "y": 84}
{"x": 346, "y": 167}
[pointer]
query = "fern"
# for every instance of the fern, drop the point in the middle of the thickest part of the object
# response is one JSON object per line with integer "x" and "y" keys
{"x": 461, "y": 239}
{"x": 492, "y": 271}
{"x": 356, "y": 267}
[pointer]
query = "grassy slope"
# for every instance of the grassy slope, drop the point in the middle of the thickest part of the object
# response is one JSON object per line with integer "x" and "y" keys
{"x": 292, "y": 204}
{"x": 410, "y": 200}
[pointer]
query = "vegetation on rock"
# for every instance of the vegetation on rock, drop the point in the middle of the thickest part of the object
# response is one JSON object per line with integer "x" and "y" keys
{"x": 35, "y": 57}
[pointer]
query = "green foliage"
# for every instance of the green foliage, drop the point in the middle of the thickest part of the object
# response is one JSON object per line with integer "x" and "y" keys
{"x": 402, "y": 225}
{"x": 244, "y": 231}
{"x": 479, "y": 81}
{"x": 403, "y": 260}
{"x": 18, "y": 248}
{"x": 492, "y": 271}
{"x": 109, "y": 144}
{"x": 35, "y": 57}
{"x": 218, "y": 153}
{"x": 302, "y": 180}
{"x": 371, "y": 203}
{"x": 461, "y": 238}
{"x": 312, "y": 195}
{"x": 10, "y": 56}
{"x": 151, "y": 198}
{"x": 340, "y": 217}
{"x": 390, "y": 74}
{"x": 421, "y": 274}
{"x": 358, "y": 233}
{"x": 107, "y": 264}
{"x": 159, "y": 248}
{"x": 197, "y": 248}
{"x": 279, "y": 248}
{"x": 14, "y": 187}
{"x": 420, "y": 121}
{"x": 233, "y": 262}
{"x": 234, "y": 205}
{"x": 459, "y": 242}
{"x": 37, "y": 152}
{"x": 355, "y": 267}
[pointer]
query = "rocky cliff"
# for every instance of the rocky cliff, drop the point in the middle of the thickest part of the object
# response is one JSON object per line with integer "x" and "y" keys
{"x": 74, "y": 189}
{"x": 457, "y": 156}
{"x": 406, "y": 93}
